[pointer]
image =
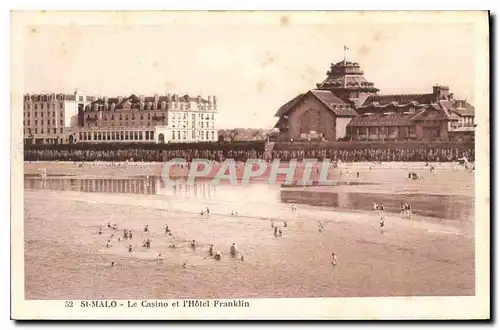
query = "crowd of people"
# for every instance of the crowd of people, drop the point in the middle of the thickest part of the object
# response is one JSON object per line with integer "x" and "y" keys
{"x": 429, "y": 154}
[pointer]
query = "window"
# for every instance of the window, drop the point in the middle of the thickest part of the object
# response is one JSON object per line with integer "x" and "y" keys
{"x": 53, "y": 121}
{"x": 112, "y": 117}
{"x": 140, "y": 135}
{"x": 133, "y": 117}
{"x": 28, "y": 107}
{"x": 178, "y": 135}
{"x": 151, "y": 135}
{"x": 53, "y": 107}
{"x": 36, "y": 130}
{"x": 120, "y": 117}
{"x": 173, "y": 135}
{"x": 61, "y": 122}
{"x": 79, "y": 136}
{"x": 136, "y": 136}
{"x": 121, "y": 136}
{"x": 61, "y": 105}
{"x": 36, "y": 107}
{"x": 41, "y": 106}
{"x": 142, "y": 116}
{"x": 213, "y": 135}
{"x": 42, "y": 130}
{"x": 95, "y": 136}
{"x": 61, "y": 130}
{"x": 36, "y": 122}
{"x": 202, "y": 125}
{"x": 29, "y": 123}
{"x": 41, "y": 114}
{"x": 207, "y": 136}
{"x": 149, "y": 116}
{"x": 89, "y": 136}
{"x": 99, "y": 136}
{"x": 184, "y": 135}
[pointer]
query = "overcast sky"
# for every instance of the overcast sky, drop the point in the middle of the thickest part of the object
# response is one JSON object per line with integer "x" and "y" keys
{"x": 252, "y": 62}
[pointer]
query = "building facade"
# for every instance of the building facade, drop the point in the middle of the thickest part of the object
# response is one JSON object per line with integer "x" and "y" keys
{"x": 50, "y": 118}
{"x": 77, "y": 118}
{"x": 347, "y": 106}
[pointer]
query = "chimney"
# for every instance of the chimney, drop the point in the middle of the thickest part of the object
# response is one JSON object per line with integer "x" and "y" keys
{"x": 440, "y": 92}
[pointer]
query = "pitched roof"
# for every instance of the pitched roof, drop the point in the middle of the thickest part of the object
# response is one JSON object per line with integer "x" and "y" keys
{"x": 330, "y": 100}
{"x": 464, "y": 108}
{"x": 378, "y": 120}
{"x": 398, "y": 100}
{"x": 335, "y": 104}
{"x": 287, "y": 106}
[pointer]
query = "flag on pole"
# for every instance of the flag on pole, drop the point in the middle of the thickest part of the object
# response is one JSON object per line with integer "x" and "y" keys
{"x": 345, "y": 47}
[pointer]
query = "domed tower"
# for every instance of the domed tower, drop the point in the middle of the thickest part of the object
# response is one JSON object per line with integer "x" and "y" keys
{"x": 346, "y": 80}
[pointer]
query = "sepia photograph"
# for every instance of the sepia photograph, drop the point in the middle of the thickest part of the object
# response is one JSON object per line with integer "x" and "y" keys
{"x": 217, "y": 164}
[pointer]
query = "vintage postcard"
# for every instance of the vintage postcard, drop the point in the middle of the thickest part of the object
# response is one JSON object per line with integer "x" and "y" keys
{"x": 250, "y": 165}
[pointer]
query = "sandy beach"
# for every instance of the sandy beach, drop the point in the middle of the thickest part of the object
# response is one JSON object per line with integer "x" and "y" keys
{"x": 67, "y": 259}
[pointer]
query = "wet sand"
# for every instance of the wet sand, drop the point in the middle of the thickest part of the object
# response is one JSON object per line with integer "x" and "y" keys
{"x": 65, "y": 258}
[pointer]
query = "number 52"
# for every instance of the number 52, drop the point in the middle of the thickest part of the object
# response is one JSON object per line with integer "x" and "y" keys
{"x": 68, "y": 304}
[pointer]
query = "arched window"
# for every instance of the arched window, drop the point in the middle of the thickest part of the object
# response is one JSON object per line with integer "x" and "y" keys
{"x": 311, "y": 121}
{"x": 161, "y": 138}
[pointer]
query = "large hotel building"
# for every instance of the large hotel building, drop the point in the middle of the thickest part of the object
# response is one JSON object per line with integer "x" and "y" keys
{"x": 78, "y": 118}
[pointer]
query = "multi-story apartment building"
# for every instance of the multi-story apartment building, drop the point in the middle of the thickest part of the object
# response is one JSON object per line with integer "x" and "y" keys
{"x": 162, "y": 119}
{"x": 49, "y": 118}
{"x": 77, "y": 118}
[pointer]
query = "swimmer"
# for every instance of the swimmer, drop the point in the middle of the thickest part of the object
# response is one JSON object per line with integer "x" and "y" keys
{"x": 280, "y": 233}
{"x": 167, "y": 231}
{"x": 100, "y": 231}
{"x": 146, "y": 229}
{"x": 111, "y": 236}
{"x": 242, "y": 258}
{"x": 172, "y": 246}
{"x": 130, "y": 248}
{"x": 184, "y": 265}
{"x": 285, "y": 224}
{"x": 357, "y": 175}
{"x": 159, "y": 258}
{"x": 208, "y": 211}
{"x": 233, "y": 250}
{"x": 232, "y": 213}
{"x": 334, "y": 259}
{"x": 211, "y": 250}
{"x": 201, "y": 213}
{"x": 217, "y": 255}
{"x": 114, "y": 226}
{"x": 130, "y": 234}
{"x": 108, "y": 225}
{"x": 275, "y": 231}
{"x": 272, "y": 224}
{"x": 108, "y": 244}
{"x": 112, "y": 264}
{"x": 193, "y": 244}
{"x": 119, "y": 239}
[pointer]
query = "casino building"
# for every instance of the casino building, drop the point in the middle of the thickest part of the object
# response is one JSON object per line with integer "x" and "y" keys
{"x": 77, "y": 118}
{"x": 346, "y": 106}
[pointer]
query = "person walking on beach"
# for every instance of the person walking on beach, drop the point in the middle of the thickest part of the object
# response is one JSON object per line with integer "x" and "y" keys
{"x": 130, "y": 234}
{"x": 108, "y": 244}
{"x": 334, "y": 259}
{"x": 146, "y": 229}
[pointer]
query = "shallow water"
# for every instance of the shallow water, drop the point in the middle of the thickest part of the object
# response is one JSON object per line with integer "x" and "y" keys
{"x": 66, "y": 258}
